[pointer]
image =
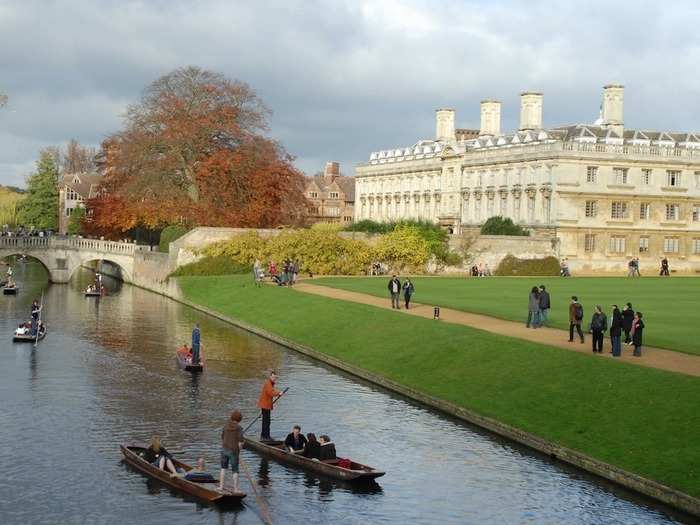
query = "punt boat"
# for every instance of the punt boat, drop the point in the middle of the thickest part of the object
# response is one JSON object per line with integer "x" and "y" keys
{"x": 185, "y": 362}
{"x": 28, "y": 338}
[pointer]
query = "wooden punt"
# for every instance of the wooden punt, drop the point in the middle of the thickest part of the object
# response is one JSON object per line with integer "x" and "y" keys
{"x": 93, "y": 294}
{"x": 28, "y": 338}
{"x": 10, "y": 290}
{"x": 184, "y": 363}
{"x": 205, "y": 491}
{"x": 329, "y": 468}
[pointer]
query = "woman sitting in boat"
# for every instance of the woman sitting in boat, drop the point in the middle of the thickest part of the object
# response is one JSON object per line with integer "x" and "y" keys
{"x": 158, "y": 456}
{"x": 295, "y": 442}
{"x": 22, "y": 329}
{"x": 313, "y": 447}
{"x": 327, "y": 448}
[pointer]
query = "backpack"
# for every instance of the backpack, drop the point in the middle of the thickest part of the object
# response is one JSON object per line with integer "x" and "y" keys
{"x": 578, "y": 311}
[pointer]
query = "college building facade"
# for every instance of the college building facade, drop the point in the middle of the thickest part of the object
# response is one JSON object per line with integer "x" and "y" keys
{"x": 331, "y": 196}
{"x": 605, "y": 193}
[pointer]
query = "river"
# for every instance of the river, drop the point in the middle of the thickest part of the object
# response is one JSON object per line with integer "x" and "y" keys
{"x": 106, "y": 373}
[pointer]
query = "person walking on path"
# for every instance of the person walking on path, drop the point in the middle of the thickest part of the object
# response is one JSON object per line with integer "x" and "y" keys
{"x": 231, "y": 444}
{"x": 627, "y": 319}
{"x": 616, "y": 331}
{"x": 196, "y": 339}
{"x": 395, "y": 291}
{"x": 575, "y": 319}
{"x": 664, "y": 267}
{"x": 265, "y": 402}
{"x": 637, "y": 331}
{"x": 408, "y": 291}
{"x": 636, "y": 266}
{"x": 533, "y": 308}
{"x": 545, "y": 305}
{"x": 599, "y": 324}
{"x": 630, "y": 268}
{"x": 295, "y": 271}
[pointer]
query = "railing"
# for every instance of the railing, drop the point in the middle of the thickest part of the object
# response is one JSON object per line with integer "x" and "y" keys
{"x": 68, "y": 243}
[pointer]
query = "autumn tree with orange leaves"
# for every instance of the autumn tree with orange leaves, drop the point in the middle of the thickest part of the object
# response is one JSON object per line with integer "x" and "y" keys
{"x": 193, "y": 152}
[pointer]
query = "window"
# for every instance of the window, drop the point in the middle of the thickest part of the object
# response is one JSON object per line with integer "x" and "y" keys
{"x": 589, "y": 242}
{"x": 646, "y": 177}
{"x": 504, "y": 204}
{"x": 670, "y": 244}
{"x": 347, "y": 219}
{"x": 673, "y": 178}
{"x": 696, "y": 246}
{"x": 644, "y": 211}
{"x": 591, "y": 208}
{"x": 334, "y": 195}
{"x": 617, "y": 244}
{"x": 531, "y": 209}
{"x": 591, "y": 174}
{"x": 313, "y": 194}
{"x": 333, "y": 211}
{"x": 643, "y": 244}
{"x": 620, "y": 175}
{"x": 696, "y": 212}
{"x": 619, "y": 210}
{"x": 69, "y": 211}
{"x": 672, "y": 212}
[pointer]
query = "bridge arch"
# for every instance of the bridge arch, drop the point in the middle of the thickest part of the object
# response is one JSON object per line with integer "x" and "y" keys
{"x": 125, "y": 274}
{"x": 45, "y": 262}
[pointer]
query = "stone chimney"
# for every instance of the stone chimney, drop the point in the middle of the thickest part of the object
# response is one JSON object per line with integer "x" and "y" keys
{"x": 490, "y": 118}
{"x": 530, "y": 110}
{"x": 445, "y": 124}
{"x": 613, "y": 100}
{"x": 331, "y": 171}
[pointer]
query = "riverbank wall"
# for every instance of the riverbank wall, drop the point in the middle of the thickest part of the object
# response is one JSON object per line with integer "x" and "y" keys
{"x": 647, "y": 487}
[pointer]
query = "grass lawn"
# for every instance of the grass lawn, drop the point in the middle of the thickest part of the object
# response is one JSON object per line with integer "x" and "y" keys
{"x": 642, "y": 419}
{"x": 670, "y": 306}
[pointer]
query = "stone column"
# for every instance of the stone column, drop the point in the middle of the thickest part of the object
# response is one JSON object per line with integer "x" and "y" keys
{"x": 464, "y": 212}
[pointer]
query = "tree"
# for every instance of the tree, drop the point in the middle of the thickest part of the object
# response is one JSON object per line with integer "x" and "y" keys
{"x": 75, "y": 222}
{"x": 192, "y": 152}
{"x": 502, "y": 226}
{"x": 40, "y": 207}
{"x": 77, "y": 158}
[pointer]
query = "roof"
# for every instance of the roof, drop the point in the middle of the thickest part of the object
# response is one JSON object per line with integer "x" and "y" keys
{"x": 84, "y": 184}
{"x": 346, "y": 184}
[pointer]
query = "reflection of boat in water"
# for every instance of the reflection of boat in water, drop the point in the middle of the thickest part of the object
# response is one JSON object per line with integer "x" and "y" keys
{"x": 330, "y": 467}
{"x": 207, "y": 491}
{"x": 10, "y": 289}
{"x": 24, "y": 336}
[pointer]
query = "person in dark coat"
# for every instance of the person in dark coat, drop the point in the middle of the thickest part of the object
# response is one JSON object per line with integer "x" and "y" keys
{"x": 627, "y": 318}
{"x": 598, "y": 326}
{"x": 616, "y": 331}
{"x": 575, "y": 318}
{"x": 545, "y": 305}
{"x": 637, "y": 331}
{"x": 408, "y": 291}
{"x": 313, "y": 447}
{"x": 394, "y": 287}
{"x": 664, "y": 267}
{"x": 327, "y": 449}
{"x": 295, "y": 441}
{"x": 533, "y": 308}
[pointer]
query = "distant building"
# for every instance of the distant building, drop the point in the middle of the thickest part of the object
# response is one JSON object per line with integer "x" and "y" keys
{"x": 331, "y": 196}
{"x": 73, "y": 190}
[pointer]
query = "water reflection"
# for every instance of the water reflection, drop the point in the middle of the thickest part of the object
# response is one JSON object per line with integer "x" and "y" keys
{"x": 106, "y": 373}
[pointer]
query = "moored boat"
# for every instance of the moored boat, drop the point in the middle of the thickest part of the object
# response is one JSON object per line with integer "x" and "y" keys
{"x": 93, "y": 294}
{"x": 329, "y": 467}
{"x": 29, "y": 338}
{"x": 10, "y": 290}
{"x": 184, "y": 361}
{"x": 207, "y": 491}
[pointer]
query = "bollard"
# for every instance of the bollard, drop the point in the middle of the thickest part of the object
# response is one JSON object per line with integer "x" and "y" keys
{"x": 436, "y": 313}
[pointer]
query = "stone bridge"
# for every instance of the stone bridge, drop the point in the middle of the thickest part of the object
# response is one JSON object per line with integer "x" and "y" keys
{"x": 63, "y": 255}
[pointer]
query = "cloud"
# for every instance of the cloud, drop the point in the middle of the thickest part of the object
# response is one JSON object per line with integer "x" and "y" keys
{"x": 343, "y": 78}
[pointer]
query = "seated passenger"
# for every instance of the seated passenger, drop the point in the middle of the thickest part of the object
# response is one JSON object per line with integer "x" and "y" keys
{"x": 199, "y": 473}
{"x": 21, "y": 330}
{"x": 327, "y": 448}
{"x": 158, "y": 456}
{"x": 313, "y": 447}
{"x": 295, "y": 442}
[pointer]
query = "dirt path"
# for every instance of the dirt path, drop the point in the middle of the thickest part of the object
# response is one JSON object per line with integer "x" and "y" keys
{"x": 652, "y": 357}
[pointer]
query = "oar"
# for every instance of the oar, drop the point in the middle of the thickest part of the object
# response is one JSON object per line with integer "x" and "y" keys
{"x": 41, "y": 307}
{"x": 259, "y": 415}
{"x": 262, "y": 505}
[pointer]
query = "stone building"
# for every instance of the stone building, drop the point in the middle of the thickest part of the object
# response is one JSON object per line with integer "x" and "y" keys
{"x": 73, "y": 190}
{"x": 605, "y": 193}
{"x": 331, "y": 196}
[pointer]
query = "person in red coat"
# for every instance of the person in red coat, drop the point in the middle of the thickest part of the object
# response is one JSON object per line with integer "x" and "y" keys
{"x": 267, "y": 397}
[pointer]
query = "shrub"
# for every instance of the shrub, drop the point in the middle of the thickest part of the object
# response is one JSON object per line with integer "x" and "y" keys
{"x": 218, "y": 265}
{"x": 404, "y": 248}
{"x": 170, "y": 234}
{"x": 369, "y": 226}
{"x": 243, "y": 248}
{"x": 511, "y": 265}
{"x": 453, "y": 259}
{"x": 502, "y": 226}
{"x": 435, "y": 236}
{"x": 75, "y": 221}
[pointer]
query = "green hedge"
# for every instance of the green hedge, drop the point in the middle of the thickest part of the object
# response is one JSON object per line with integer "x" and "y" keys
{"x": 216, "y": 265}
{"x": 502, "y": 226}
{"x": 170, "y": 234}
{"x": 511, "y": 265}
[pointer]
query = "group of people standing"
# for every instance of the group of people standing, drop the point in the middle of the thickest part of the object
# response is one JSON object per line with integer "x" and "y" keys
{"x": 633, "y": 268}
{"x": 625, "y": 321}
{"x": 538, "y": 307}
{"x": 396, "y": 288}
{"x": 288, "y": 276}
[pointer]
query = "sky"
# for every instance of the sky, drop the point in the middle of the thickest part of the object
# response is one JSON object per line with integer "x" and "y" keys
{"x": 343, "y": 78}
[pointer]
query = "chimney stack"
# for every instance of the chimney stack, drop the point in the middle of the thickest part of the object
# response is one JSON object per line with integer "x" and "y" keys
{"x": 445, "y": 124}
{"x": 332, "y": 170}
{"x": 613, "y": 100}
{"x": 490, "y": 118}
{"x": 530, "y": 110}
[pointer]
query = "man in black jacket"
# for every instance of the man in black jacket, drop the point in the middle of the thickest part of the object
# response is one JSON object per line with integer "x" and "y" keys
{"x": 545, "y": 305}
{"x": 395, "y": 291}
